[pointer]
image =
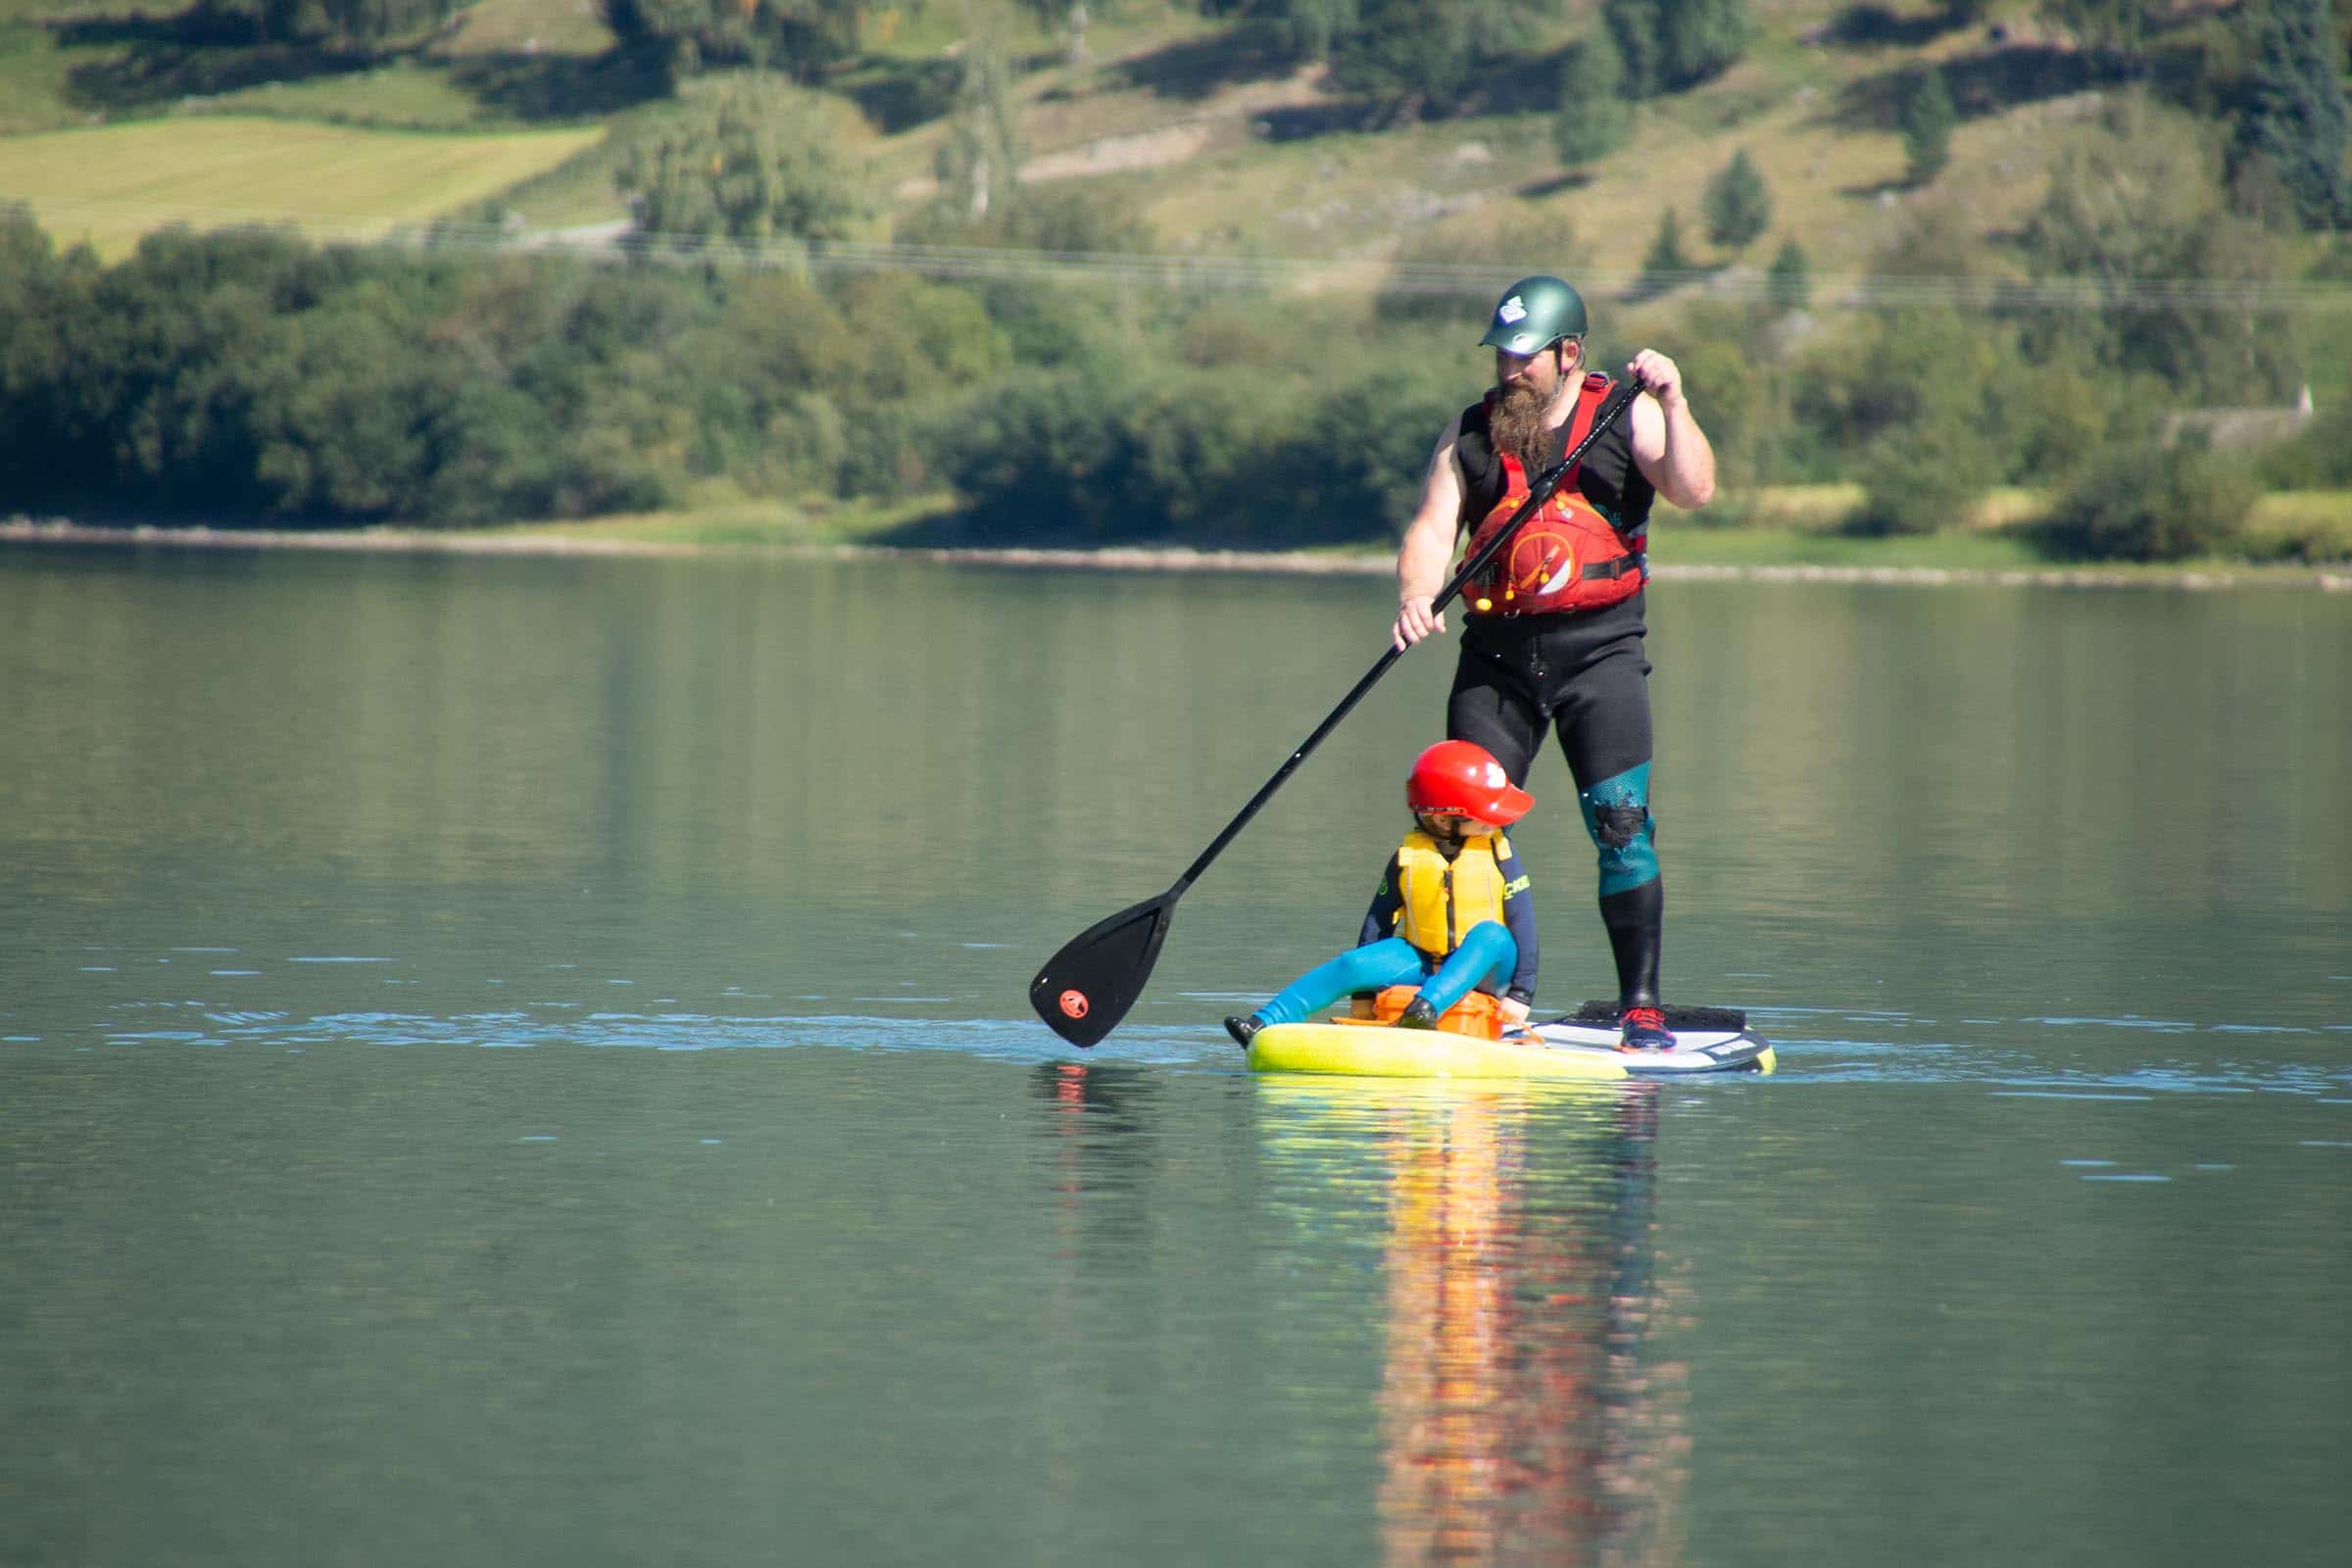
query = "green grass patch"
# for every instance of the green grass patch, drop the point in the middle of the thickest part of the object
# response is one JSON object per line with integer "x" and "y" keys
{"x": 110, "y": 185}
{"x": 1671, "y": 546}
{"x": 746, "y": 520}
{"x": 404, "y": 95}
{"x": 724, "y": 517}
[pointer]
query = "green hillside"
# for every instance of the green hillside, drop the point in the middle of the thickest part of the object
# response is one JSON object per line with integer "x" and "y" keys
{"x": 1343, "y": 220}
{"x": 1218, "y": 147}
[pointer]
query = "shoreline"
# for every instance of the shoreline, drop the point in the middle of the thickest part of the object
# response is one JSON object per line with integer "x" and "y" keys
{"x": 2335, "y": 578}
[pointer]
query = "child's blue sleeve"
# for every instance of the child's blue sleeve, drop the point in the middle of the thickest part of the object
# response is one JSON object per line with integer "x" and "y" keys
{"x": 1380, "y": 921}
{"x": 1519, "y": 917}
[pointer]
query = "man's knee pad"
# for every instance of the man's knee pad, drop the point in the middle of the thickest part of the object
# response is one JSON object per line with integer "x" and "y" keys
{"x": 1617, "y": 816}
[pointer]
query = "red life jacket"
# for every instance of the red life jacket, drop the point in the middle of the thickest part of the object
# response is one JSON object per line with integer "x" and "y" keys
{"x": 1569, "y": 555}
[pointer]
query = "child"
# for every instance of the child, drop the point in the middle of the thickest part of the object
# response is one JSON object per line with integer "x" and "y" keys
{"x": 1454, "y": 913}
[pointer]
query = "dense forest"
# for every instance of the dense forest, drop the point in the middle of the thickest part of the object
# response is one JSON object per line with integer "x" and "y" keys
{"x": 775, "y": 324}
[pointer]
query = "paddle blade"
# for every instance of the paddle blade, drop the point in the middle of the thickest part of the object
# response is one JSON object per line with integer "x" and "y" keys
{"x": 1085, "y": 990}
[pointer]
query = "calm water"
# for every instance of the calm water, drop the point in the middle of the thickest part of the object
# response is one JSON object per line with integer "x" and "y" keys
{"x": 523, "y": 1061}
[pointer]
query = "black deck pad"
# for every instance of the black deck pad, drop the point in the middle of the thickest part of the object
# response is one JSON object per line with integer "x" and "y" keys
{"x": 1603, "y": 1015}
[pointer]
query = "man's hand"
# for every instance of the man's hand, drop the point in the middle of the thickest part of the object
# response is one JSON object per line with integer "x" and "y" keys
{"x": 1669, "y": 447}
{"x": 1514, "y": 1012}
{"x": 1659, "y": 376}
{"x": 1414, "y": 621}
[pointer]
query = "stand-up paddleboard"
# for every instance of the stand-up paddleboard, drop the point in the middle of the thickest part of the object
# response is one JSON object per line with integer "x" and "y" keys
{"x": 1582, "y": 1045}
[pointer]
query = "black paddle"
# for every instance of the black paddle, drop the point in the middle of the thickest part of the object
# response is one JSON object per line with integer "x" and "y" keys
{"x": 1085, "y": 990}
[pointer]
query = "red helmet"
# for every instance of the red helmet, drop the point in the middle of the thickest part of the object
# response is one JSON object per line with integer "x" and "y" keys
{"x": 1460, "y": 779}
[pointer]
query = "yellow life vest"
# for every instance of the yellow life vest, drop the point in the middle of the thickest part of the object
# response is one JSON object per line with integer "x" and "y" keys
{"x": 1444, "y": 898}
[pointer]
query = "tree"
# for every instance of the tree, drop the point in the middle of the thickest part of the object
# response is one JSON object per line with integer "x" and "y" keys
{"x": 1669, "y": 45}
{"x": 1592, "y": 114}
{"x": 1788, "y": 281}
{"x": 1417, "y": 54}
{"x": 1736, "y": 206}
{"x": 1633, "y": 25}
{"x": 1700, "y": 38}
{"x": 803, "y": 37}
{"x": 1665, "y": 264}
{"x": 1927, "y": 122}
{"x": 2295, "y": 115}
{"x": 982, "y": 154}
{"x": 755, "y": 163}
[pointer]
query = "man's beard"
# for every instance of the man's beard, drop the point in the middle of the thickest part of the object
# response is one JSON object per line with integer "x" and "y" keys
{"x": 1517, "y": 426}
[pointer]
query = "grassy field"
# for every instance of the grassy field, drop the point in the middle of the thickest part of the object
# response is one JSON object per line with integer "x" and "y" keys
{"x": 1787, "y": 526}
{"x": 108, "y": 184}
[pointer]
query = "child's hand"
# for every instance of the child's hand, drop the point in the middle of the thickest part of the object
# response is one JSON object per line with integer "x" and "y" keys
{"x": 1514, "y": 1012}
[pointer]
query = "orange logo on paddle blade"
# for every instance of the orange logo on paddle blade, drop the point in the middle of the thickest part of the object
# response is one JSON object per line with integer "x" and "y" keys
{"x": 1073, "y": 1003}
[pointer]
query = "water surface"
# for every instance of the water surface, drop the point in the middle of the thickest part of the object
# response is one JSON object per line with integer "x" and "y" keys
{"x": 525, "y": 1061}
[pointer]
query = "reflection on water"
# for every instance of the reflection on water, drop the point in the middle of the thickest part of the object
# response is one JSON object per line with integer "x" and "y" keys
{"x": 1522, "y": 1415}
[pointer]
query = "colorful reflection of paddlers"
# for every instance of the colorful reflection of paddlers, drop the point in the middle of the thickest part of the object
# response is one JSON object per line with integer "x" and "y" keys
{"x": 1522, "y": 1419}
{"x": 1453, "y": 913}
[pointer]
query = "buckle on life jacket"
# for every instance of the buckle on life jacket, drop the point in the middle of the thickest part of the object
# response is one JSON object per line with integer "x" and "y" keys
{"x": 1599, "y": 572}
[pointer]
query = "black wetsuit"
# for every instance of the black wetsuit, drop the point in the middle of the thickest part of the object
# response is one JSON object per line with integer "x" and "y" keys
{"x": 1585, "y": 674}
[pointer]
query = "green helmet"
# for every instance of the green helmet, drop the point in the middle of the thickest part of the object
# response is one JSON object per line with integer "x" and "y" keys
{"x": 1534, "y": 314}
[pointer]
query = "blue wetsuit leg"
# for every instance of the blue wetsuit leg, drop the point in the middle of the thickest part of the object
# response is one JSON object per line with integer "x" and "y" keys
{"x": 1389, "y": 962}
{"x": 1487, "y": 954}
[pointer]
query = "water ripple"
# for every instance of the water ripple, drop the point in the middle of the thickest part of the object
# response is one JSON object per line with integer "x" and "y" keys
{"x": 2045, "y": 1056}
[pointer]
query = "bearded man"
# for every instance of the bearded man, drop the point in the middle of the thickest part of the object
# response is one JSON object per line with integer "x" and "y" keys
{"x": 1553, "y": 633}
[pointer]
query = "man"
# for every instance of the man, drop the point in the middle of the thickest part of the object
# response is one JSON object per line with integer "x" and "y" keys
{"x": 1553, "y": 632}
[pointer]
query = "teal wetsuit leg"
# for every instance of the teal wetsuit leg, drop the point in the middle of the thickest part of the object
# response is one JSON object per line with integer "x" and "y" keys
{"x": 1617, "y": 816}
{"x": 1389, "y": 962}
{"x": 1632, "y": 895}
{"x": 1487, "y": 953}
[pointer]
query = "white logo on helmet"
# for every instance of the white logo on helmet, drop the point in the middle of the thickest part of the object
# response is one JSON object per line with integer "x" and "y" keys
{"x": 1511, "y": 312}
{"x": 1495, "y": 777}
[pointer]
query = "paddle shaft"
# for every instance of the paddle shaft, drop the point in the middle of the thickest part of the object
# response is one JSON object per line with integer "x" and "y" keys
{"x": 1537, "y": 494}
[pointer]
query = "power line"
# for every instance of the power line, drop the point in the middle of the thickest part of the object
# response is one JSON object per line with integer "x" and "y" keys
{"x": 1182, "y": 273}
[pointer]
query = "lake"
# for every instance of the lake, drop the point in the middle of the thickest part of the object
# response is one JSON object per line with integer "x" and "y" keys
{"x": 518, "y": 1062}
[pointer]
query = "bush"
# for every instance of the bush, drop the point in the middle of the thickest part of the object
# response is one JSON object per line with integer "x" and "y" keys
{"x": 1042, "y": 454}
{"x": 2318, "y": 459}
{"x": 2148, "y": 502}
{"x": 1204, "y": 445}
{"x": 1920, "y": 481}
{"x": 1389, "y": 420}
